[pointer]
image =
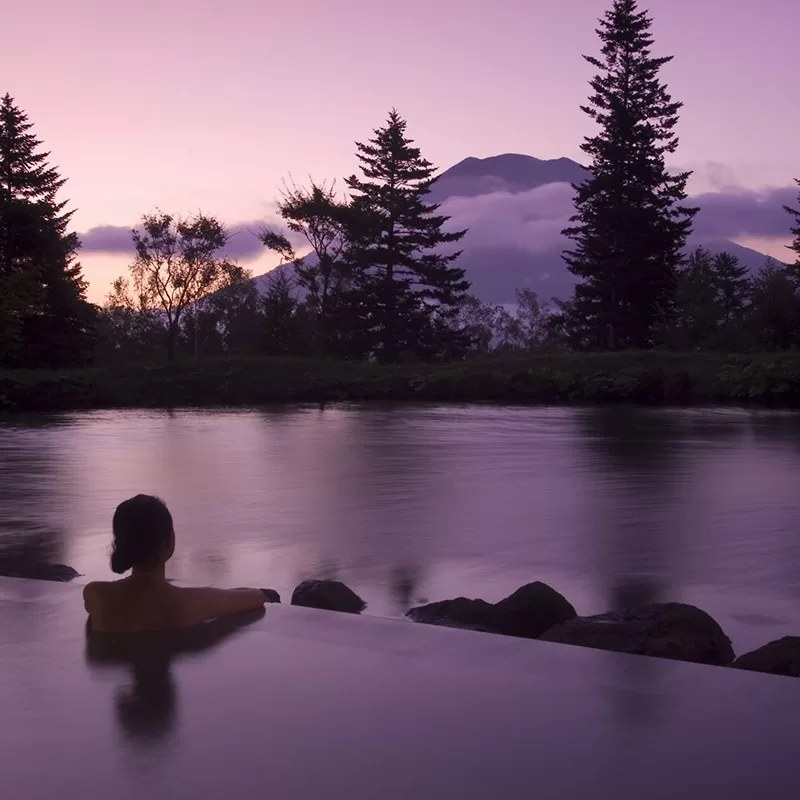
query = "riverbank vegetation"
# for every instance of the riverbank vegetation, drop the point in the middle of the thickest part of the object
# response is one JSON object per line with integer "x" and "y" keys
{"x": 371, "y": 302}
{"x": 771, "y": 380}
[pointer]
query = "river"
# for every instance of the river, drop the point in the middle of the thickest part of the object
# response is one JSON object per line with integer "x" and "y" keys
{"x": 409, "y": 504}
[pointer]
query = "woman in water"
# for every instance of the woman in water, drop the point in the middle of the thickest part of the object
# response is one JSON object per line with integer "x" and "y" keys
{"x": 144, "y": 540}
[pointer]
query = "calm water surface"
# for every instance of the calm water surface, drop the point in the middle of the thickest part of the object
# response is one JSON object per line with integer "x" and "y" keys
{"x": 410, "y": 504}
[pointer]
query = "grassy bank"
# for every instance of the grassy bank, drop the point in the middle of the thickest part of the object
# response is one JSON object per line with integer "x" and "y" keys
{"x": 692, "y": 378}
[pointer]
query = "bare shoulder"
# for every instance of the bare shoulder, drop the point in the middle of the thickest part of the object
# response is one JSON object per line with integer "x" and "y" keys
{"x": 96, "y": 591}
{"x": 95, "y": 588}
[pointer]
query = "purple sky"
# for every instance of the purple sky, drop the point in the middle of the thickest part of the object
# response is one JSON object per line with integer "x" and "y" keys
{"x": 203, "y": 105}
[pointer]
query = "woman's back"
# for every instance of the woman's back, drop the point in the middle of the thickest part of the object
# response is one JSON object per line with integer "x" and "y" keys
{"x": 144, "y": 541}
{"x": 141, "y": 603}
{"x": 135, "y": 604}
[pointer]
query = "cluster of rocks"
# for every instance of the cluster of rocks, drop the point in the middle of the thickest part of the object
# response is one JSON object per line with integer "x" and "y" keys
{"x": 537, "y": 611}
{"x": 663, "y": 630}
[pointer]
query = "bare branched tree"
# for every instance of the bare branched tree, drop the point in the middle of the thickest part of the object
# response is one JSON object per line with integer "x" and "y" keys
{"x": 320, "y": 217}
{"x": 178, "y": 262}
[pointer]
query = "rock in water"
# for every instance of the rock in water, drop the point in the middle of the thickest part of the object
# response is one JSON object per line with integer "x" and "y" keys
{"x": 476, "y": 615}
{"x": 665, "y": 630}
{"x": 527, "y": 613}
{"x": 271, "y": 595}
{"x": 781, "y": 657}
{"x": 15, "y": 568}
{"x": 328, "y": 595}
{"x": 532, "y": 610}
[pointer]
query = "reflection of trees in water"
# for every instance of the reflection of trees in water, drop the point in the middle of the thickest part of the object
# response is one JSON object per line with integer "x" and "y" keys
{"x": 636, "y": 700}
{"x": 147, "y": 708}
{"x": 630, "y": 592}
{"x": 30, "y": 531}
{"x": 779, "y": 433}
{"x": 403, "y": 585}
{"x": 211, "y": 564}
{"x": 644, "y": 458}
{"x": 776, "y": 429}
{"x": 638, "y": 455}
{"x": 403, "y": 579}
{"x": 747, "y": 499}
{"x": 372, "y": 501}
{"x": 325, "y": 570}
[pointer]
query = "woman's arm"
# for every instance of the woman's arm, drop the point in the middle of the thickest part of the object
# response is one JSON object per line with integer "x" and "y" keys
{"x": 207, "y": 603}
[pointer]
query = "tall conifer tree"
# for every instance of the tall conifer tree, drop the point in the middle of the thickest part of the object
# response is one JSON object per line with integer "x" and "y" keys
{"x": 795, "y": 245}
{"x": 631, "y": 225}
{"x": 44, "y": 317}
{"x": 406, "y": 290}
{"x": 734, "y": 288}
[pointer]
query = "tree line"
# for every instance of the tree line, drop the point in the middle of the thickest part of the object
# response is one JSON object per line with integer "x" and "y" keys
{"x": 379, "y": 277}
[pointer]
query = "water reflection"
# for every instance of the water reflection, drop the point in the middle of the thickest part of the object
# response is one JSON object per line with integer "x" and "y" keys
{"x": 31, "y": 533}
{"x": 613, "y": 506}
{"x": 638, "y": 459}
{"x": 371, "y": 514}
{"x": 147, "y": 707}
{"x": 404, "y": 585}
{"x": 637, "y": 698}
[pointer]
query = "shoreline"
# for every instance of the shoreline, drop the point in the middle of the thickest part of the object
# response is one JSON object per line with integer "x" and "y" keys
{"x": 563, "y": 379}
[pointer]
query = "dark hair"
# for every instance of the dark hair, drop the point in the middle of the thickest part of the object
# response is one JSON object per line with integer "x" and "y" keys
{"x": 142, "y": 528}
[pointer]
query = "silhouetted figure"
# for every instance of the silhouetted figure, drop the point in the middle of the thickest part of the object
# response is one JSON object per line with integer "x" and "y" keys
{"x": 144, "y": 541}
{"x": 147, "y": 708}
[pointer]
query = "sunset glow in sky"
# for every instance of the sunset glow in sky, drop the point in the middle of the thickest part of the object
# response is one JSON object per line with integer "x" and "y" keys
{"x": 205, "y": 105}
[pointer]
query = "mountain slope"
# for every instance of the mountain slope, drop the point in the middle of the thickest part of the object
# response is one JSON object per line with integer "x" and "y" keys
{"x": 496, "y": 273}
{"x": 514, "y": 207}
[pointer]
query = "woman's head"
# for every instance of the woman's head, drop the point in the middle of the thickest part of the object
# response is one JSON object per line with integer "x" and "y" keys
{"x": 143, "y": 533}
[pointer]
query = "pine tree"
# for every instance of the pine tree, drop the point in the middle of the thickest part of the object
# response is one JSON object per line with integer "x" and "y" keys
{"x": 44, "y": 317}
{"x": 734, "y": 288}
{"x": 776, "y": 307}
{"x": 630, "y": 227}
{"x": 285, "y": 319}
{"x": 795, "y": 245}
{"x": 406, "y": 290}
{"x": 696, "y": 312}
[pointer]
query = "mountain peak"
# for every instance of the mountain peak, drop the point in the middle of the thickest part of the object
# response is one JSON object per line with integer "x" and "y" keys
{"x": 508, "y": 172}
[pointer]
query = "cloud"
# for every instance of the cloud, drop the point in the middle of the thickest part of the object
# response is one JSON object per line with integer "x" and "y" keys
{"x": 116, "y": 240}
{"x": 737, "y": 213}
{"x": 531, "y": 220}
{"x": 109, "y": 239}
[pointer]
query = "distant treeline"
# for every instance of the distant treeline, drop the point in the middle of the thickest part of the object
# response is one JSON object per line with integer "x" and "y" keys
{"x": 381, "y": 280}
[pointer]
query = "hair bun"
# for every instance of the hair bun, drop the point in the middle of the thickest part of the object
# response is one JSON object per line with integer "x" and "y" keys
{"x": 142, "y": 529}
{"x": 120, "y": 562}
